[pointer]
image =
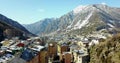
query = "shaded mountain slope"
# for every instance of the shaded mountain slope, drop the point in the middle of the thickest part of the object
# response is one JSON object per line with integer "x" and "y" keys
{"x": 10, "y": 28}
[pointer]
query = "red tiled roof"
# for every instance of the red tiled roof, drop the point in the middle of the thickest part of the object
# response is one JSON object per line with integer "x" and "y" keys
{"x": 20, "y": 45}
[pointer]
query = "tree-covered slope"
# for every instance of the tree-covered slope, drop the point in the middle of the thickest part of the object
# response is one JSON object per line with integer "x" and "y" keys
{"x": 106, "y": 52}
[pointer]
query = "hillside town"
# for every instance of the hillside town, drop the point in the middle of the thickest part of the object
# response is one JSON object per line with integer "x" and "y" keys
{"x": 50, "y": 50}
{"x": 59, "y": 31}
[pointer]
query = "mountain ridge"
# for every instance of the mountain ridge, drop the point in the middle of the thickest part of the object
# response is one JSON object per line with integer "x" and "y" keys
{"x": 85, "y": 17}
{"x": 10, "y": 28}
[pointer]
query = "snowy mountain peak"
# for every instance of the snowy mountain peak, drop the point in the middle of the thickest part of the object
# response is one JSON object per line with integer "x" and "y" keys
{"x": 103, "y": 3}
{"x": 78, "y": 9}
{"x": 103, "y": 6}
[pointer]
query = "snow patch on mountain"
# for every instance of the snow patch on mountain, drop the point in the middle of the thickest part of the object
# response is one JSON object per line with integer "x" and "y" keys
{"x": 110, "y": 25}
{"x": 111, "y": 21}
{"x": 78, "y": 9}
{"x": 70, "y": 26}
{"x": 80, "y": 23}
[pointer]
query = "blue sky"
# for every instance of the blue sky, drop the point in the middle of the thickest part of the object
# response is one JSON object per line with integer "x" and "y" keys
{"x": 30, "y": 11}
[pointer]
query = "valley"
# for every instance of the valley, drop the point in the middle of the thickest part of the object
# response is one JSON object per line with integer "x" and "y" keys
{"x": 87, "y": 34}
